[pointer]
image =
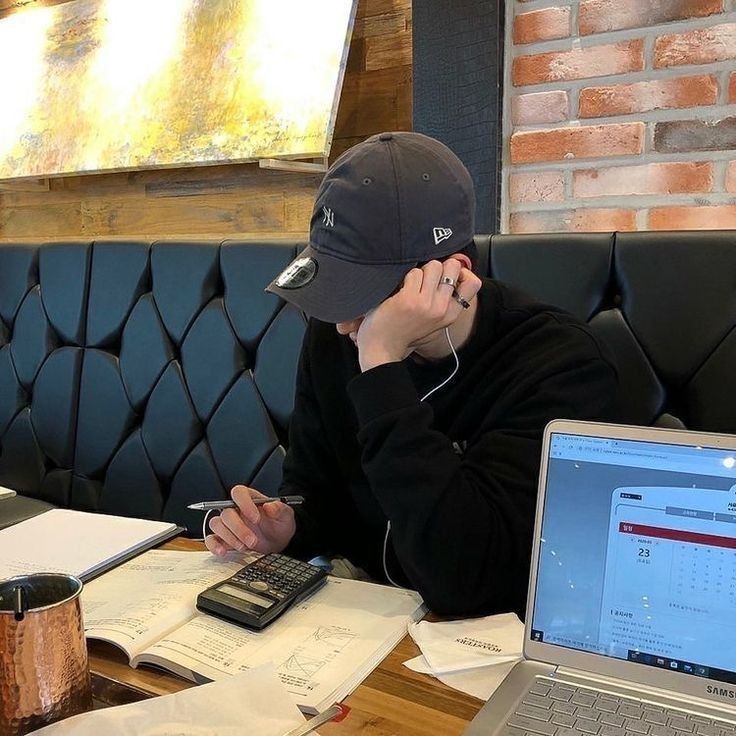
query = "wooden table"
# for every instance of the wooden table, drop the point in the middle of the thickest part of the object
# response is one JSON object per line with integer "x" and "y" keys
{"x": 391, "y": 701}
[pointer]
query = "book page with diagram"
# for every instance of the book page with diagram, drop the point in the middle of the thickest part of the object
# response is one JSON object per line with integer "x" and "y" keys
{"x": 319, "y": 647}
{"x": 670, "y": 590}
{"x": 144, "y": 599}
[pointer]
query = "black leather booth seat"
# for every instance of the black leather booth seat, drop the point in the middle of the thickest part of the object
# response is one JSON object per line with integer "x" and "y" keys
{"x": 137, "y": 377}
{"x": 665, "y": 303}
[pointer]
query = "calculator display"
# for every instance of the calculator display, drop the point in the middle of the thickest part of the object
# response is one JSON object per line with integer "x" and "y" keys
{"x": 245, "y": 595}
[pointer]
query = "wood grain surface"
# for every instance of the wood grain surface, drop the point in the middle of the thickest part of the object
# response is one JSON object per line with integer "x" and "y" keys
{"x": 392, "y": 701}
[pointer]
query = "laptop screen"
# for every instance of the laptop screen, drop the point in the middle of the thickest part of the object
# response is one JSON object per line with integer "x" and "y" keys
{"x": 637, "y": 559}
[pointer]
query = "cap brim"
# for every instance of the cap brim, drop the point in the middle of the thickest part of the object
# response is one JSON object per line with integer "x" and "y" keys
{"x": 340, "y": 290}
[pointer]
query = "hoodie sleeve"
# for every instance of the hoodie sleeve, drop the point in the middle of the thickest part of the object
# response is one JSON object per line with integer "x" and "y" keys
{"x": 461, "y": 525}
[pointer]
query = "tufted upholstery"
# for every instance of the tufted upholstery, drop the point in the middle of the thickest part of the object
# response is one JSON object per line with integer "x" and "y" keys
{"x": 665, "y": 303}
{"x": 136, "y": 377}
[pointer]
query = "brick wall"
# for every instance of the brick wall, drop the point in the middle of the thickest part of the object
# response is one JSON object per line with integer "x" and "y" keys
{"x": 620, "y": 115}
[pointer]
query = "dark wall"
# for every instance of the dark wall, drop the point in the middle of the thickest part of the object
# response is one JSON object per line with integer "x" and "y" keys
{"x": 458, "y": 73}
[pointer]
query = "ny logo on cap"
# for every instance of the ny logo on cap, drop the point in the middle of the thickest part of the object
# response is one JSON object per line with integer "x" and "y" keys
{"x": 329, "y": 218}
{"x": 440, "y": 234}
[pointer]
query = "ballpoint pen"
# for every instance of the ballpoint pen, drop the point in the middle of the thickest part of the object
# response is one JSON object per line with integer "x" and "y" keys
{"x": 229, "y": 504}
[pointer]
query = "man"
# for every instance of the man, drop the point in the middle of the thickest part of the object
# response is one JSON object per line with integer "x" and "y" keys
{"x": 417, "y": 426}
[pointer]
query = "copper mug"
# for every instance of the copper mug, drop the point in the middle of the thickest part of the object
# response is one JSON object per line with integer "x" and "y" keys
{"x": 44, "y": 668}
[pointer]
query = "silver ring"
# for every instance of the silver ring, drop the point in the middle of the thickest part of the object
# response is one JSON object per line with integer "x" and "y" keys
{"x": 447, "y": 280}
{"x": 464, "y": 303}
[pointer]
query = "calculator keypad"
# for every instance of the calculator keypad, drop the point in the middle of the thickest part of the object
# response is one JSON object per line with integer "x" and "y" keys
{"x": 276, "y": 574}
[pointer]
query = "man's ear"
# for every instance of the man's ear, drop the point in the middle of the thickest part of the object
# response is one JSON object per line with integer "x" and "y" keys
{"x": 464, "y": 260}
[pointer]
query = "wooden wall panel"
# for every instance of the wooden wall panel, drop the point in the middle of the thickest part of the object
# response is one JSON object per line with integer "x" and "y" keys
{"x": 232, "y": 200}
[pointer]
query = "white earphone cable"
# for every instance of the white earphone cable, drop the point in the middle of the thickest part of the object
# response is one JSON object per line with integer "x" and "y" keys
{"x": 204, "y": 524}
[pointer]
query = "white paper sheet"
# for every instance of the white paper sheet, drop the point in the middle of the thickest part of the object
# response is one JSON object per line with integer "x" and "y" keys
{"x": 472, "y": 655}
{"x": 253, "y": 703}
{"x": 480, "y": 682}
{"x": 460, "y": 645}
{"x": 6, "y": 493}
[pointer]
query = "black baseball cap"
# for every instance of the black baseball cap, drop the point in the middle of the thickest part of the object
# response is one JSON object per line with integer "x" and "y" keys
{"x": 385, "y": 205}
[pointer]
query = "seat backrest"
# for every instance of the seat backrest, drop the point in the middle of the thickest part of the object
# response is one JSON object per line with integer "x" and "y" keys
{"x": 138, "y": 377}
{"x": 664, "y": 302}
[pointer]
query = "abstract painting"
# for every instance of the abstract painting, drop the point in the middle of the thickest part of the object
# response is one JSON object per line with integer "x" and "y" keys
{"x": 116, "y": 85}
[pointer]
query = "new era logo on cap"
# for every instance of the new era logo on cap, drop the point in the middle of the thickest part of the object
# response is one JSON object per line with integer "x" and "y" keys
{"x": 440, "y": 234}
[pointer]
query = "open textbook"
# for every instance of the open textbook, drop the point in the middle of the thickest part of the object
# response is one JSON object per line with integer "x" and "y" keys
{"x": 322, "y": 648}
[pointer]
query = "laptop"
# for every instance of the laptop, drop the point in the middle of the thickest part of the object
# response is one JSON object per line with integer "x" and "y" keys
{"x": 631, "y": 612}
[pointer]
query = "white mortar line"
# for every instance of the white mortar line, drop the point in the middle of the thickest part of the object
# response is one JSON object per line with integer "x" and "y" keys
{"x": 704, "y": 113}
{"x": 650, "y": 75}
{"x": 606, "y": 162}
{"x": 629, "y": 201}
{"x": 719, "y": 176}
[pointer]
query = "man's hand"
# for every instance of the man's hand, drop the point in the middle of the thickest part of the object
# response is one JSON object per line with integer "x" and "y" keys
{"x": 422, "y": 306}
{"x": 266, "y": 528}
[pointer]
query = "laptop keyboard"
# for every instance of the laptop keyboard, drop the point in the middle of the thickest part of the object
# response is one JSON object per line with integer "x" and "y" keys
{"x": 551, "y": 708}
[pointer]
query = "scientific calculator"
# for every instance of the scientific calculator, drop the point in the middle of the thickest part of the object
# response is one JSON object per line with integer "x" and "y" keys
{"x": 263, "y": 590}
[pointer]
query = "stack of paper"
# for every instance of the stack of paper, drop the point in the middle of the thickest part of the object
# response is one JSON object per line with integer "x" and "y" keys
{"x": 254, "y": 702}
{"x": 6, "y": 493}
{"x": 472, "y": 655}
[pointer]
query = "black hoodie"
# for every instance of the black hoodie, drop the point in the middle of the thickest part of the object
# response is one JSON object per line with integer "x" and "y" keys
{"x": 457, "y": 474}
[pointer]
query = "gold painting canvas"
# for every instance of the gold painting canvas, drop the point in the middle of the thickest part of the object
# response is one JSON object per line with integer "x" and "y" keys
{"x": 113, "y": 85}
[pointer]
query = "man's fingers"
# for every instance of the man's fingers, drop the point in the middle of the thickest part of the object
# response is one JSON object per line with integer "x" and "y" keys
{"x": 452, "y": 268}
{"x": 413, "y": 280}
{"x": 468, "y": 284}
{"x": 240, "y": 529}
{"x": 243, "y": 497}
{"x": 276, "y": 511}
{"x": 443, "y": 294}
{"x": 432, "y": 273}
{"x": 226, "y": 535}
{"x": 215, "y": 545}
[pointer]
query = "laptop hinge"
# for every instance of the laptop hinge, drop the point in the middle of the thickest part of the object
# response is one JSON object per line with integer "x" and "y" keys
{"x": 638, "y": 690}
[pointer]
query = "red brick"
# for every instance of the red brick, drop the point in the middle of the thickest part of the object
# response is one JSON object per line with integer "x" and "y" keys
{"x": 584, "y": 220}
{"x": 599, "y": 16}
{"x": 594, "y": 61}
{"x": 731, "y": 177}
{"x": 702, "y": 46}
{"x": 732, "y": 88}
{"x": 536, "y": 186}
{"x": 658, "y": 94}
{"x": 590, "y": 141}
{"x": 693, "y": 218}
{"x": 539, "y": 107}
{"x": 658, "y": 178}
{"x": 542, "y": 25}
